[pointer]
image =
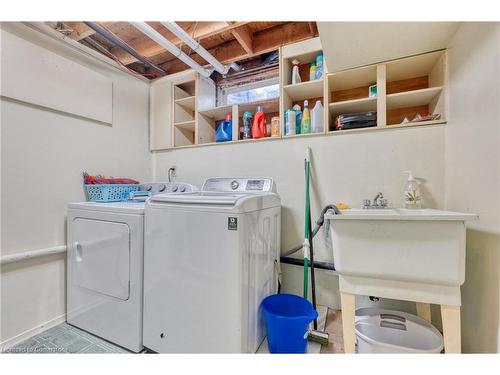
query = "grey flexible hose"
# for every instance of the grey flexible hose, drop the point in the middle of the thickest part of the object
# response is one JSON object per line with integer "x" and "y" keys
{"x": 319, "y": 224}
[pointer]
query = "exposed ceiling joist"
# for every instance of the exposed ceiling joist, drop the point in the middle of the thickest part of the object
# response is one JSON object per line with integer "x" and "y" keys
{"x": 227, "y": 41}
{"x": 80, "y": 30}
{"x": 244, "y": 36}
{"x": 265, "y": 41}
{"x": 148, "y": 48}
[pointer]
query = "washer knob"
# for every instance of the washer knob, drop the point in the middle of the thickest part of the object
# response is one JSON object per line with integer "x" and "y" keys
{"x": 182, "y": 189}
{"x": 234, "y": 184}
{"x": 174, "y": 188}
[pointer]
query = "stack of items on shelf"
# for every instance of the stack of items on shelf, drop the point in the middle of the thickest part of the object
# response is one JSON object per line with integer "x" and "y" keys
{"x": 420, "y": 118}
{"x": 304, "y": 122}
{"x": 254, "y": 126}
{"x": 355, "y": 120}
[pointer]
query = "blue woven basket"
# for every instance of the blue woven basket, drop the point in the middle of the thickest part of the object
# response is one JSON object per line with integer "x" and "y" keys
{"x": 109, "y": 192}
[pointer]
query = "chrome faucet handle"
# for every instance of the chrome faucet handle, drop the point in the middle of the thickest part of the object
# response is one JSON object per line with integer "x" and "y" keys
{"x": 383, "y": 203}
{"x": 366, "y": 203}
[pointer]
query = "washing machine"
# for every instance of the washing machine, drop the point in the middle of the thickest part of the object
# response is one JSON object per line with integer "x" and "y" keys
{"x": 105, "y": 266}
{"x": 209, "y": 261}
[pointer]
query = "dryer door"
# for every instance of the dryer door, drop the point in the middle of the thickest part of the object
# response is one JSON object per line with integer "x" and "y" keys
{"x": 102, "y": 256}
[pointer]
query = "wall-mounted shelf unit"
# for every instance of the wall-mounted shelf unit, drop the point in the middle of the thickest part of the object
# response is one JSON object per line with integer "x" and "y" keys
{"x": 183, "y": 112}
{"x": 405, "y": 87}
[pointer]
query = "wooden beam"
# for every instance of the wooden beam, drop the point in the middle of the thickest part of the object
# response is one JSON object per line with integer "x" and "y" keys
{"x": 148, "y": 48}
{"x": 80, "y": 30}
{"x": 264, "y": 41}
{"x": 314, "y": 28}
{"x": 244, "y": 37}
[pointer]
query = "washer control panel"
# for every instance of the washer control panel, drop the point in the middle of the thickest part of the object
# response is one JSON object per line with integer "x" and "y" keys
{"x": 238, "y": 184}
{"x": 167, "y": 187}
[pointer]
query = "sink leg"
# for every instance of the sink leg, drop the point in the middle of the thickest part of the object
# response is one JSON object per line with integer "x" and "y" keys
{"x": 348, "y": 302}
{"x": 450, "y": 316}
{"x": 424, "y": 311}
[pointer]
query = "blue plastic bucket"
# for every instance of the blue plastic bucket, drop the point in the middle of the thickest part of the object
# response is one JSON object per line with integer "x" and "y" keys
{"x": 287, "y": 322}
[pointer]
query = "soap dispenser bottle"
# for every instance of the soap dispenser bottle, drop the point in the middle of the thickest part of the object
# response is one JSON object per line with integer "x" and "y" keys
{"x": 412, "y": 196}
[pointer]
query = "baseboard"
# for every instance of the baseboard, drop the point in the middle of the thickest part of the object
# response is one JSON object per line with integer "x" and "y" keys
{"x": 4, "y": 345}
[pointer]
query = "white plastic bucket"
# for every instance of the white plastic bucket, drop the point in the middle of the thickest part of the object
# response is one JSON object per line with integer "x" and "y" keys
{"x": 389, "y": 331}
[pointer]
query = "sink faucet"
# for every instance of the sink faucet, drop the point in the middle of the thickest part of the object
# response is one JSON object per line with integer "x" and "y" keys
{"x": 378, "y": 202}
{"x": 377, "y": 197}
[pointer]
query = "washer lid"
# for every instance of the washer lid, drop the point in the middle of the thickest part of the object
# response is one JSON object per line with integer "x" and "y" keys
{"x": 212, "y": 198}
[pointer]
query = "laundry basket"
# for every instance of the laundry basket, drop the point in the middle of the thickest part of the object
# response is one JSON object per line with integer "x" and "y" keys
{"x": 287, "y": 319}
{"x": 109, "y": 192}
{"x": 388, "y": 331}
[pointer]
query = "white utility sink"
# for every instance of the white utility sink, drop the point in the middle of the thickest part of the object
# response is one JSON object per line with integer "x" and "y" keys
{"x": 423, "y": 246}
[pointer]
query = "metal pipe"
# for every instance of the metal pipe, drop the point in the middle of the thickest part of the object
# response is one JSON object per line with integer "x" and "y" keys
{"x": 198, "y": 48}
{"x": 300, "y": 262}
{"x": 123, "y": 45}
{"x": 32, "y": 254}
{"x": 171, "y": 47}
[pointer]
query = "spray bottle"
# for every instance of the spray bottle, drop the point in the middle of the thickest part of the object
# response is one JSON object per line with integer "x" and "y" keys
{"x": 295, "y": 72}
{"x": 412, "y": 196}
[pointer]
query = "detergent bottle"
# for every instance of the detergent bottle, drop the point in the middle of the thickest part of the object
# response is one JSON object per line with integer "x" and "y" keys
{"x": 247, "y": 125}
{"x": 290, "y": 121}
{"x": 317, "y": 118}
{"x": 312, "y": 71}
{"x": 319, "y": 65}
{"x": 224, "y": 131}
{"x": 298, "y": 118}
{"x": 259, "y": 127}
{"x": 305, "y": 126}
{"x": 295, "y": 72}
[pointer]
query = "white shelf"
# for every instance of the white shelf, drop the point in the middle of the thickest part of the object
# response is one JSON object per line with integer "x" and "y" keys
{"x": 352, "y": 78}
{"x": 414, "y": 66}
{"x": 188, "y": 103}
{"x": 412, "y": 98}
{"x": 355, "y": 105}
{"x": 187, "y": 125}
{"x": 217, "y": 113}
{"x": 268, "y": 106}
{"x": 305, "y": 90}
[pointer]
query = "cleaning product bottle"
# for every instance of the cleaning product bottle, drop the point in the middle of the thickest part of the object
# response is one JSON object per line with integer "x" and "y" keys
{"x": 224, "y": 131}
{"x": 413, "y": 198}
{"x": 290, "y": 121}
{"x": 298, "y": 118}
{"x": 319, "y": 66}
{"x": 275, "y": 126}
{"x": 247, "y": 125}
{"x": 317, "y": 118}
{"x": 259, "y": 127}
{"x": 312, "y": 71}
{"x": 295, "y": 72}
{"x": 305, "y": 126}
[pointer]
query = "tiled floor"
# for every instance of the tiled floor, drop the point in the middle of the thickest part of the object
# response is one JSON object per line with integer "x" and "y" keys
{"x": 64, "y": 338}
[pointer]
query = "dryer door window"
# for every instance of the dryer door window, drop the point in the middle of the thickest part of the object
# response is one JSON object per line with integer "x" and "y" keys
{"x": 101, "y": 257}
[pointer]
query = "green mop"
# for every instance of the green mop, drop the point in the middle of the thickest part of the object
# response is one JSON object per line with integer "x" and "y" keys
{"x": 314, "y": 334}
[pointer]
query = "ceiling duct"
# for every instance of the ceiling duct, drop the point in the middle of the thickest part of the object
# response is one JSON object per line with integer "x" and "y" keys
{"x": 171, "y": 47}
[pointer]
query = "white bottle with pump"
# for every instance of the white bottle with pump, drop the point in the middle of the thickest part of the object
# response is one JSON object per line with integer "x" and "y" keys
{"x": 412, "y": 196}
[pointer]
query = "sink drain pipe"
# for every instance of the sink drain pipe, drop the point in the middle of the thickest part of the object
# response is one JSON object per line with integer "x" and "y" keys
{"x": 299, "y": 262}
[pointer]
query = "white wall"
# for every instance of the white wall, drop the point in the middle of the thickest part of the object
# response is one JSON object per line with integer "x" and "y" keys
{"x": 473, "y": 175}
{"x": 43, "y": 154}
{"x": 346, "y": 168}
